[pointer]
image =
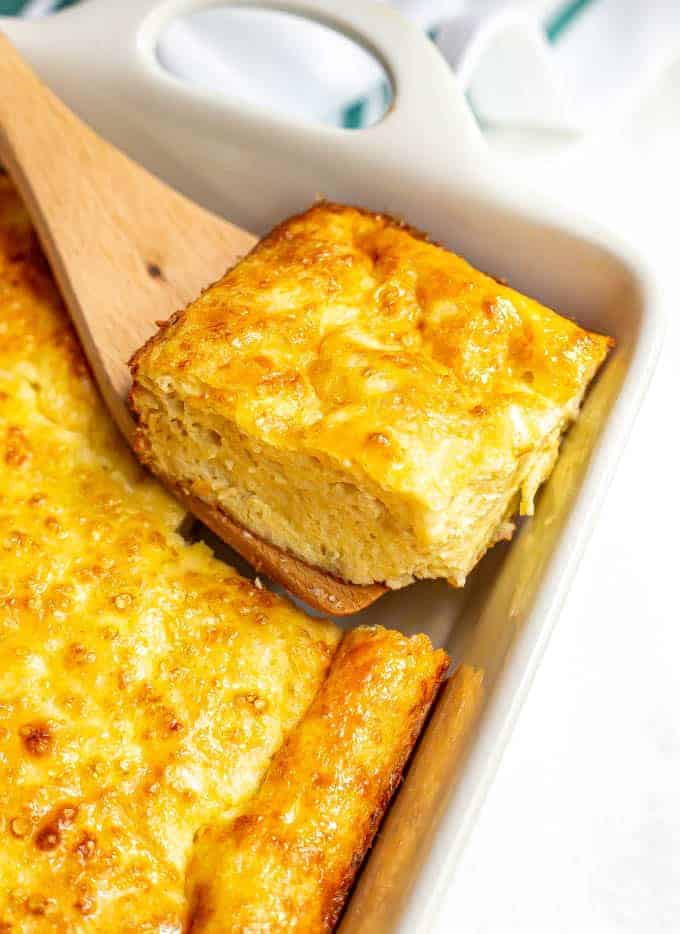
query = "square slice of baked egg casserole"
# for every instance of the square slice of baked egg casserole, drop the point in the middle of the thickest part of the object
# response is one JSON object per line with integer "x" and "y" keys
{"x": 362, "y": 398}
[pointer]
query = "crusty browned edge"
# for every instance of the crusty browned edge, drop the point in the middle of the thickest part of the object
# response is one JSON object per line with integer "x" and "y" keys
{"x": 336, "y": 899}
{"x": 292, "y": 854}
{"x": 413, "y": 815}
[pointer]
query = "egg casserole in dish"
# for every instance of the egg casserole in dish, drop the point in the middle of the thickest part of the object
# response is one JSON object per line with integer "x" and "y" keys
{"x": 180, "y": 749}
{"x": 362, "y": 398}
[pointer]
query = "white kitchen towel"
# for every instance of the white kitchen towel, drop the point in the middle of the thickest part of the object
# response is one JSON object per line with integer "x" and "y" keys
{"x": 574, "y": 64}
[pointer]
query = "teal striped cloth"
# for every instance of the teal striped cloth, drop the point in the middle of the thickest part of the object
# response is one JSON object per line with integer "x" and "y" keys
{"x": 559, "y": 21}
{"x": 13, "y": 7}
{"x": 364, "y": 111}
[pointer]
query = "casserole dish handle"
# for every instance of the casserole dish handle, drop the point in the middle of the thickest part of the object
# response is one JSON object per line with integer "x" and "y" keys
{"x": 99, "y": 47}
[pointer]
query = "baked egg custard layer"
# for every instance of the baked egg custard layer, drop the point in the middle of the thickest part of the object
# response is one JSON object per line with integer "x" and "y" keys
{"x": 145, "y": 686}
{"x": 362, "y": 398}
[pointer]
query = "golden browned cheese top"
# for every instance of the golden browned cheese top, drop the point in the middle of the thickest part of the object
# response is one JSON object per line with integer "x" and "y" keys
{"x": 144, "y": 685}
{"x": 346, "y": 335}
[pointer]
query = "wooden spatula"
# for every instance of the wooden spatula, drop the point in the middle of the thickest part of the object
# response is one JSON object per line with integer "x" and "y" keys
{"x": 128, "y": 251}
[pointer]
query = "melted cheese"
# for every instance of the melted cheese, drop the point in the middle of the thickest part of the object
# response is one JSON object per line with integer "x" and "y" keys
{"x": 363, "y": 398}
{"x": 144, "y": 685}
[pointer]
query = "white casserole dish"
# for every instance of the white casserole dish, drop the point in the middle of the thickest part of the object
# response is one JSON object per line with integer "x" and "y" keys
{"x": 426, "y": 162}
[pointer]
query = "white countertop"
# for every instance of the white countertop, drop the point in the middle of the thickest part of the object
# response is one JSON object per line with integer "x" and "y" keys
{"x": 581, "y": 829}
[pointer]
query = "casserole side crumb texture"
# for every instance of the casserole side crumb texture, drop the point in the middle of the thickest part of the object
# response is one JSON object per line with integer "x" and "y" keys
{"x": 363, "y": 398}
{"x": 144, "y": 685}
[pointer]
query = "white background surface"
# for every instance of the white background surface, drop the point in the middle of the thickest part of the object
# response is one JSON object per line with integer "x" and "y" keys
{"x": 581, "y": 829}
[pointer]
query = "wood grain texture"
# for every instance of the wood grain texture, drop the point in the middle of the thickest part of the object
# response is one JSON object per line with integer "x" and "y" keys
{"x": 127, "y": 251}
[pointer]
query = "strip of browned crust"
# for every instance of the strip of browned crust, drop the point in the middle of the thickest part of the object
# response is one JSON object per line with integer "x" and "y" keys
{"x": 407, "y": 833}
{"x": 288, "y": 861}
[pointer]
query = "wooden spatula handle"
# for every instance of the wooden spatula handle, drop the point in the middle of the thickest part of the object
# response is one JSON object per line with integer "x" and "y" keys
{"x": 94, "y": 212}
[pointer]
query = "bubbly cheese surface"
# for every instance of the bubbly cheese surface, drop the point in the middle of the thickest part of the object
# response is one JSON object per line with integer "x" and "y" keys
{"x": 144, "y": 685}
{"x": 363, "y": 398}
